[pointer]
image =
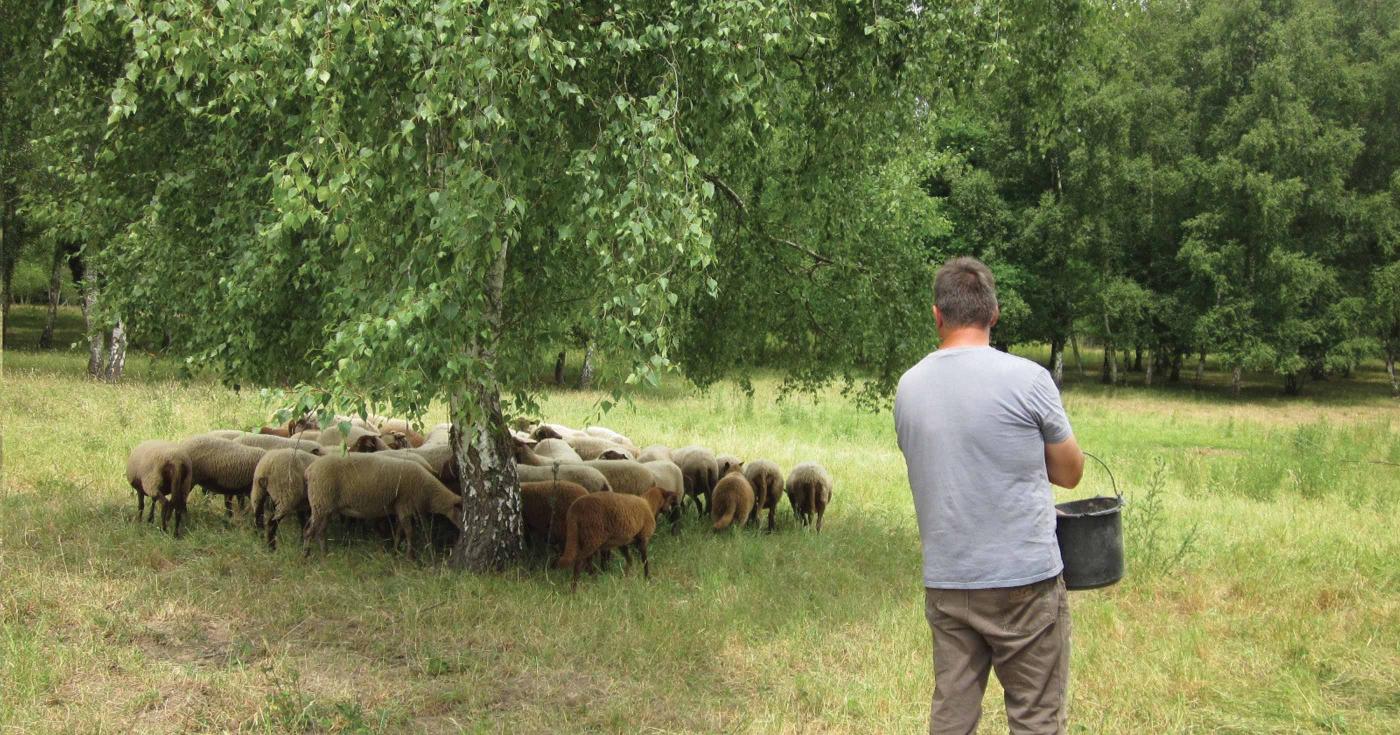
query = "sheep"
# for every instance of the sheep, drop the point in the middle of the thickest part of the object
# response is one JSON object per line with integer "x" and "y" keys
{"x": 401, "y": 428}
{"x": 603, "y": 432}
{"x": 733, "y": 499}
{"x": 370, "y": 486}
{"x": 439, "y": 434}
{"x": 162, "y": 471}
{"x": 310, "y": 435}
{"x": 604, "y": 521}
{"x": 809, "y": 489}
{"x": 280, "y": 478}
{"x": 523, "y": 453}
{"x": 624, "y": 475}
{"x": 592, "y": 447}
{"x": 668, "y": 475}
{"x": 727, "y": 461}
{"x": 396, "y": 439}
{"x": 307, "y": 421}
{"x": 701, "y": 472}
{"x": 408, "y": 455}
{"x": 229, "y": 434}
{"x": 653, "y": 452}
{"x": 222, "y": 466}
{"x": 359, "y": 439}
{"x": 589, "y": 477}
{"x": 767, "y": 482}
{"x": 554, "y": 431}
{"x": 557, "y": 450}
{"x": 272, "y": 441}
{"x": 545, "y": 506}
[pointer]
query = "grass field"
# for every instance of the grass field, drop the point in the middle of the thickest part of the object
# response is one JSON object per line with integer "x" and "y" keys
{"x": 1281, "y": 613}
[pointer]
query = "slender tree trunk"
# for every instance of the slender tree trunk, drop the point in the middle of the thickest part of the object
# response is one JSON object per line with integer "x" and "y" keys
{"x": 491, "y": 537}
{"x": 1292, "y": 384}
{"x": 11, "y": 240}
{"x": 55, "y": 290}
{"x": 1109, "y": 374}
{"x": 1236, "y": 376}
{"x": 95, "y": 337}
{"x": 585, "y": 373}
{"x": 1177, "y": 359}
{"x": 116, "y": 353}
{"x": 1057, "y": 360}
{"x": 1137, "y": 358}
{"x": 1390, "y": 370}
{"x": 559, "y": 369}
{"x": 1147, "y": 375}
{"x": 1201, "y": 367}
{"x": 1078, "y": 358}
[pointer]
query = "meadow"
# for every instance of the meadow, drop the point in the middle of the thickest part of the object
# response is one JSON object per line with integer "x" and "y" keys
{"x": 1262, "y": 596}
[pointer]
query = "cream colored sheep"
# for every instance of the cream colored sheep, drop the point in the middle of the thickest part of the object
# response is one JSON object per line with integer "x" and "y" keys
{"x": 280, "y": 480}
{"x": 162, "y": 471}
{"x": 369, "y": 486}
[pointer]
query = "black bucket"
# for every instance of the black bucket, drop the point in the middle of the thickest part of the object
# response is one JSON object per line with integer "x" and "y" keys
{"x": 1090, "y": 533}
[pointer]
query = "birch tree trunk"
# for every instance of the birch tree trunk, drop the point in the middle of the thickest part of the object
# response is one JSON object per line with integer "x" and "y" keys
{"x": 1057, "y": 360}
{"x": 1201, "y": 367}
{"x": 95, "y": 337}
{"x": 116, "y": 353}
{"x": 1236, "y": 376}
{"x": 1147, "y": 374}
{"x": 1078, "y": 358}
{"x": 585, "y": 375}
{"x": 1390, "y": 370}
{"x": 559, "y": 369}
{"x": 491, "y": 537}
{"x": 55, "y": 290}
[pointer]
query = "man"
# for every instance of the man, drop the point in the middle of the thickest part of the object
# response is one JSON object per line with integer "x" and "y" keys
{"x": 983, "y": 435}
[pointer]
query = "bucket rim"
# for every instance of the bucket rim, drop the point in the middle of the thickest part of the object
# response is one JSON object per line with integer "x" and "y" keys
{"x": 1116, "y": 507}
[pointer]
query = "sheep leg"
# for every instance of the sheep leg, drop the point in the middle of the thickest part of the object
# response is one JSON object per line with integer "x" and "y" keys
{"x": 407, "y": 524}
{"x": 626, "y": 555}
{"x": 259, "y": 508}
{"x": 772, "y": 509}
{"x": 820, "y": 513}
{"x": 179, "y": 516}
{"x": 646, "y": 565}
{"x": 151, "y": 518}
{"x": 228, "y": 506}
{"x": 315, "y": 531}
{"x": 165, "y": 509}
{"x": 140, "y": 505}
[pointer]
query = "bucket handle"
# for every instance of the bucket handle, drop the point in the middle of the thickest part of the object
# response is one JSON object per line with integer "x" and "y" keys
{"x": 1110, "y": 475}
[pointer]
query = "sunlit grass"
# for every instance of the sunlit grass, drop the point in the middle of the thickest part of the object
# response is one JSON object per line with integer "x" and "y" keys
{"x": 1282, "y": 617}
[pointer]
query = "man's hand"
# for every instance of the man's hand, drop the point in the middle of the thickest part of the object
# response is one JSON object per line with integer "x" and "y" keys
{"x": 1064, "y": 463}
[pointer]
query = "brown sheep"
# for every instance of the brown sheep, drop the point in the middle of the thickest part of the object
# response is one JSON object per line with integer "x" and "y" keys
{"x": 307, "y": 421}
{"x": 280, "y": 479}
{"x": 557, "y": 450}
{"x": 809, "y": 489}
{"x": 592, "y": 447}
{"x": 701, "y": 472}
{"x": 162, "y": 471}
{"x": 589, "y": 477}
{"x": 545, "y": 506}
{"x": 733, "y": 499}
{"x": 223, "y": 466}
{"x": 369, "y": 486}
{"x": 767, "y": 482}
{"x": 727, "y": 462}
{"x": 603, "y": 521}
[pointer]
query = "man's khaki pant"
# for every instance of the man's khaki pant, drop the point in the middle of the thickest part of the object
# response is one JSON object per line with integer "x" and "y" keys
{"x": 1022, "y": 632}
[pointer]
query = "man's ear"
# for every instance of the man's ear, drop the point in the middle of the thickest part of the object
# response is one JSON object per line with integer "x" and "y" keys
{"x": 996, "y": 316}
{"x": 937, "y": 318}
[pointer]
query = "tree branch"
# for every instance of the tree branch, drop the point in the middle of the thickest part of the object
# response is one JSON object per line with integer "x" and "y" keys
{"x": 738, "y": 203}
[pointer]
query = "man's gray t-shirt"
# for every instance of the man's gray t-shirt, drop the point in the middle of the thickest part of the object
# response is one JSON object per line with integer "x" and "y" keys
{"x": 973, "y": 423}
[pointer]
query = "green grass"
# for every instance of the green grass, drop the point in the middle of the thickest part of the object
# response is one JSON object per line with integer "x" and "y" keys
{"x": 1282, "y": 617}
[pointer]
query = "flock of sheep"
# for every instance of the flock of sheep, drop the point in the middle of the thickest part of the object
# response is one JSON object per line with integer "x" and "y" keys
{"x": 583, "y": 492}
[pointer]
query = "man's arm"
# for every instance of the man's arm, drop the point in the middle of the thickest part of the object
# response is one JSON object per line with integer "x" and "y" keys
{"x": 1064, "y": 463}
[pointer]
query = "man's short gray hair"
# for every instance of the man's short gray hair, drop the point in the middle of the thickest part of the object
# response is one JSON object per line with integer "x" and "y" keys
{"x": 965, "y": 293}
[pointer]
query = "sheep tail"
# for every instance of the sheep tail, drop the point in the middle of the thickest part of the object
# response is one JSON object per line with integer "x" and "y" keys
{"x": 723, "y": 521}
{"x": 566, "y": 559}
